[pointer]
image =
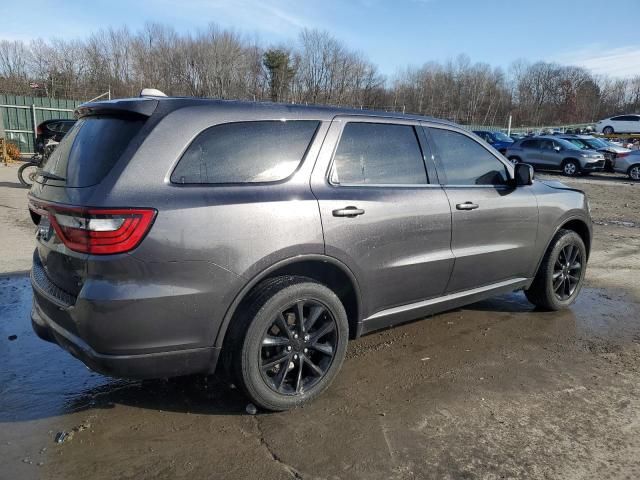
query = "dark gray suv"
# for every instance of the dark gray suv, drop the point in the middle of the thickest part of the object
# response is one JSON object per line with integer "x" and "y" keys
{"x": 179, "y": 236}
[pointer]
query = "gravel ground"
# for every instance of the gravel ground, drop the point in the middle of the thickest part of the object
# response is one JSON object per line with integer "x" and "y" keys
{"x": 493, "y": 390}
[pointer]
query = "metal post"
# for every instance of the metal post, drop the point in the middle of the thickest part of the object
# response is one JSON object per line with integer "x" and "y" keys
{"x": 109, "y": 92}
{"x": 509, "y": 126}
{"x": 35, "y": 125}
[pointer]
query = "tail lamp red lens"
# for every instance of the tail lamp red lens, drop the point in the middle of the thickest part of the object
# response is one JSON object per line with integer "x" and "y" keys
{"x": 97, "y": 231}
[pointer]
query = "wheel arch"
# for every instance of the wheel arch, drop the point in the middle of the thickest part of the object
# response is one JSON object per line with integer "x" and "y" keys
{"x": 570, "y": 159}
{"x": 637, "y": 164}
{"x": 576, "y": 224}
{"x": 322, "y": 268}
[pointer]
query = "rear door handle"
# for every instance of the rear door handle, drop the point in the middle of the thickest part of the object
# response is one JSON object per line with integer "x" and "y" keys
{"x": 467, "y": 206}
{"x": 349, "y": 211}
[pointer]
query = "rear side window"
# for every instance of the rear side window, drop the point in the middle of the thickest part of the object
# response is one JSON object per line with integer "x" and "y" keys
{"x": 466, "y": 162}
{"x": 529, "y": 144}
{"x": 378, "y": 153}
{"x": 91, "y": 148}
{"x": 246, "y": 152}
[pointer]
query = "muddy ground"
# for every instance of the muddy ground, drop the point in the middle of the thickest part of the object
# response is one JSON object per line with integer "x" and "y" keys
{"x": 493, "y": 390}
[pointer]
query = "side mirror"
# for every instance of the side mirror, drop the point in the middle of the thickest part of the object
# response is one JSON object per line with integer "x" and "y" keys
{"x": 557, "y": 149}
{"x": 523, "y": 174}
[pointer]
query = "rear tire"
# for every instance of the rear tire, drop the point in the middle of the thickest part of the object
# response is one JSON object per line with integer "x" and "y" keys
{"x": 608, "y": 130}
{"x": 279, "y": 361}
{"x": 561, "y": 274}
{"x": 27, "y": 173}
{"x": 634, "y": 172}
{"x": 571, "y": 168}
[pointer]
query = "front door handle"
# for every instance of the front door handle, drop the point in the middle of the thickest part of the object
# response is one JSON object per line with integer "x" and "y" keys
{"x": 467, "y": 206}
{"x": 349, "y": 211}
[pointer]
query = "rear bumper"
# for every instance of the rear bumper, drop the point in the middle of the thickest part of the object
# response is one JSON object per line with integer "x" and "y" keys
{"x": 150, "y": 365}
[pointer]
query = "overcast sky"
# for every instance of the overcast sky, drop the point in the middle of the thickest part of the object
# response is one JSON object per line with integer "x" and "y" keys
{"x": 601, "y": 36}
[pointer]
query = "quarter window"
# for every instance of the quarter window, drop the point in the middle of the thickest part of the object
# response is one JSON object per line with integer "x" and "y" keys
{"x": 378, "y": 153}
{"x": 466, "y": 162}
{"x": 246, "y": 152}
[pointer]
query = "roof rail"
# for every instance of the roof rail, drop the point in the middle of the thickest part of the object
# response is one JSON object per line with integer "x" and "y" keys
{"x": 151, "y": 92}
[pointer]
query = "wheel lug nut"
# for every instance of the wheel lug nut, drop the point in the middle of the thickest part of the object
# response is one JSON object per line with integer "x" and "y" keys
{"x": 295, "y": 335}
{"x": 306, "y": 338}
{"x": 295, "y": 357}
{"x": 305, "y": 350}
{"x": 289, "y": 348}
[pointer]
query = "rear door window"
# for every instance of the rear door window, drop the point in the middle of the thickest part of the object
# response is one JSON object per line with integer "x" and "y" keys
{"x": 378, "y": 153}
{"x": 246, "y": 152}
{"x": 90, "y": 149}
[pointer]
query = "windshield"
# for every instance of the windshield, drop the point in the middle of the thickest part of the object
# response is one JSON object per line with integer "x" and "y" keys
{"x": 578, "y": 143}
{"x": 501, "y": 137}
{"x": 596, "y": 143}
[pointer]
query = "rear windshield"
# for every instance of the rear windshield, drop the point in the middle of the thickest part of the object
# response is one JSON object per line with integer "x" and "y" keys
{"x": 90, "y": 149}
{"x": 246, "y": 152}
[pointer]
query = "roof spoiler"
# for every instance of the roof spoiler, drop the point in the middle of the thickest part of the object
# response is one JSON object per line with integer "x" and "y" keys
{"x": 137, "y": 107}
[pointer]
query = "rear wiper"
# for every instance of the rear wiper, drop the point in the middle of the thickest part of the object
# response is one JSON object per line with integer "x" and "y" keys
{"x": 52, "y": 176}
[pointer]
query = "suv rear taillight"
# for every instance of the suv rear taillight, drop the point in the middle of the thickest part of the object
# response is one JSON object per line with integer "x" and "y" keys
{"x": 97, "y": 231}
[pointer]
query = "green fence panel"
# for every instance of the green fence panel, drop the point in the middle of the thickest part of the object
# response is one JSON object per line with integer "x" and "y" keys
{"x": 18, "y": 121}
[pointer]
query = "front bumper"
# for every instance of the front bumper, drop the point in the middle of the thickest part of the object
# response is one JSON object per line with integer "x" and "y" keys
{"x": 593, "y": 166}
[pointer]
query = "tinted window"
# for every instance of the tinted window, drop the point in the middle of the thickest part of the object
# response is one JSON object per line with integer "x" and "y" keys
{"x": 378, "y": 153}
{"x": 245, "y": 152}
{"x": 465, "y": 161}
{"x": 66, "y": 126}
{"x": 87, "y": 153}
{"x": 529, "y": 144}
{"x": 546, "y": 144}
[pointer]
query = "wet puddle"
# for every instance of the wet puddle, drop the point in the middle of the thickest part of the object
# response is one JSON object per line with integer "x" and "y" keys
{"x": 40, "y": 380}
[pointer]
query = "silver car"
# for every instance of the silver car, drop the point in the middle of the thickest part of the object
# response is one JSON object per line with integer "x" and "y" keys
{"x": 629, "y": 164}
{"x": 608, "y": 149}
{"x": 553, "y": 153}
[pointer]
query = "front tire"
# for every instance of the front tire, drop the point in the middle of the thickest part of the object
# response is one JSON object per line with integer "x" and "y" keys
{"x": 290, "y": 342}
{"x": 561, "y": 273}
{"x": 634, "y": 172}
{"x": 571, "y": 168}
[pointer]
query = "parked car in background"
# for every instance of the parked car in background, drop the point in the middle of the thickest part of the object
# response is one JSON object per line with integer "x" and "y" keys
{"x": 608, "y": 149}
{"x": 553, "y": 153}
{"x": 517, "y": 136}
{"x": 628, "y": 165}
{"x": 178, "y": 234}
{"x": 497, "y": 140}
{"x": 54, "y": 130}
{"x": 619, "y": 124}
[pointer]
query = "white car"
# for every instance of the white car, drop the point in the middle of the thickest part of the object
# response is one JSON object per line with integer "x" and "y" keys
{"x": 619, "y": 124}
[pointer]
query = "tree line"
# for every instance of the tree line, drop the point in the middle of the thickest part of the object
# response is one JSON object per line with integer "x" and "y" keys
{"x": 316, "y": 69}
